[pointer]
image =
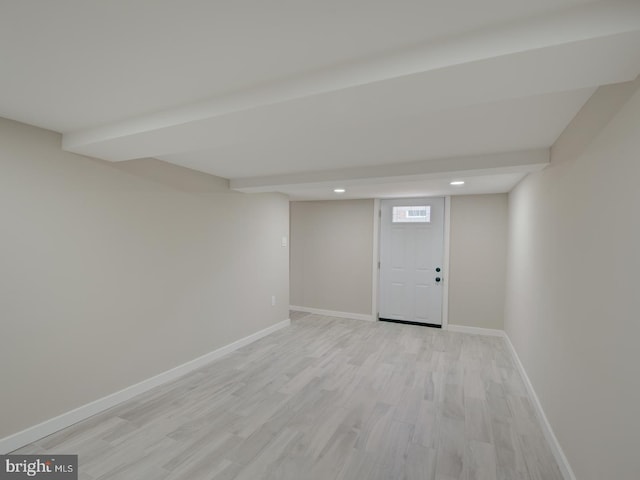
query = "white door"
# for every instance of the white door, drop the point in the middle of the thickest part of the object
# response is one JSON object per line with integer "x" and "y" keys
{"x": 411, "y": 260}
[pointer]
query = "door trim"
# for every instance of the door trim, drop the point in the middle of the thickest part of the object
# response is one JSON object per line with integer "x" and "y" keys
{"x": 445, "y": 266}
{"x": 375, "y": 272}
{"x": 376, "y": 260}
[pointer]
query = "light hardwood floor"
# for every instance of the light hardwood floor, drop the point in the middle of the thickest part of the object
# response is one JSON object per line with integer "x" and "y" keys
{"x": 326, "y": 399}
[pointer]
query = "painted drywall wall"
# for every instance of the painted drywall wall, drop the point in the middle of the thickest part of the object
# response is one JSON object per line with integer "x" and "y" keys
{"x": 332, "y": 255}
{"x": 113, "y": 273}
{"x": 477, "y": 260}
{"x": 572, "y": 298}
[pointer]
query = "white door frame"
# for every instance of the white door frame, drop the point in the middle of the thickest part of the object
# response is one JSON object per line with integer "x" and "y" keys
{"x": 376, "y": 260}
{"x": 445, "y": 266}
{"x": 375, "y": 263}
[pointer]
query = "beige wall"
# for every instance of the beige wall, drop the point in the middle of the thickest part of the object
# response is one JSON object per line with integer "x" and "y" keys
{"x": 477, "y": 261}
{"x": 112, "y": 273}
{"x": 573, "y": 289}
{"x": 332, "y": 255}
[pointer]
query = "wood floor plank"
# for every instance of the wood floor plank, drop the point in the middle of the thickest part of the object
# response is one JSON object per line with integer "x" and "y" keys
{"x": 326, "y": 399}
{"x": 480, "y": 461}
{"x": 477, "y": 420}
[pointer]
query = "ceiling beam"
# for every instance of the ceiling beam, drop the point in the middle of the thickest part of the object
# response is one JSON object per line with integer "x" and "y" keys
{"x": 525, "y": 161}
{"x": 202, "y": 125}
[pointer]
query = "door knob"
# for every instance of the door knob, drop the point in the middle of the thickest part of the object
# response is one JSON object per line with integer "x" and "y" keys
{"x": 438, "y": 279}
{"x": 438, "y": 269}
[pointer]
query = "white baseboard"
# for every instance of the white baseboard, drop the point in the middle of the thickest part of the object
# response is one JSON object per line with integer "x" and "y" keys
{"x": 556, "y": 449}
{"x": 333, "y": 313}
{"x": 31, "y": 434}
{"x": 476, "y": 330}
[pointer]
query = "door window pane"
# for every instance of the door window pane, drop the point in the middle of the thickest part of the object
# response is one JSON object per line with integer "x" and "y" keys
{"x": 411, "y": 214}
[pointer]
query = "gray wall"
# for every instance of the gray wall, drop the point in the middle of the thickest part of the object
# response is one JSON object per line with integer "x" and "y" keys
{"x": 332, "y": 255}
{"x": 477, "y": 261}
{"x": 113, "y": 273}
{"x": 573, "y": 294}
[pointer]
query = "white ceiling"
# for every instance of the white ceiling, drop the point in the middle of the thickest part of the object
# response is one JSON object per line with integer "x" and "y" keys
{"x": 273, "y": 94}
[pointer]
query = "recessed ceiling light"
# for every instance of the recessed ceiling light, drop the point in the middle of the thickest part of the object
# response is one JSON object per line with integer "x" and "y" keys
{"x": 457, "y": 182}
{"x": 339, "y": 190}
